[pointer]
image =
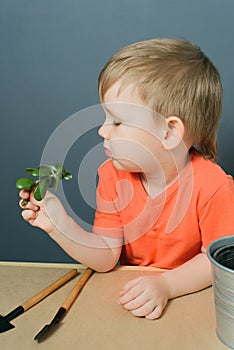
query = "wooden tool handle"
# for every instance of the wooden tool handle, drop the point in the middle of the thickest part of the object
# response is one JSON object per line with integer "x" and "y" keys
{"x": 76, "y": 290}
{"x": 48, "y": 290}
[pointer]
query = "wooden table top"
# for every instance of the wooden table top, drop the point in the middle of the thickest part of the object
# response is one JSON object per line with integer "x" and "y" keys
{"x": 95, "y": 320}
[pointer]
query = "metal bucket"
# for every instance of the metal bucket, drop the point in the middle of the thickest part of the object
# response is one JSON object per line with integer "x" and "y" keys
{"x": 221, "y": 255}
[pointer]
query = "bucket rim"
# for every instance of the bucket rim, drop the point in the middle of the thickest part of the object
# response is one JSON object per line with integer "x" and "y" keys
{"x": 217, "y": 244}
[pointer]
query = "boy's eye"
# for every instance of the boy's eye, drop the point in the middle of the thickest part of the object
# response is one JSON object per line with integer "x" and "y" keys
{"x": 116, "y": 123}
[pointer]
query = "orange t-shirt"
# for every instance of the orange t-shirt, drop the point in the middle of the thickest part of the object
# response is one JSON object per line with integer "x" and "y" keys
{"x": 170, "y": 229}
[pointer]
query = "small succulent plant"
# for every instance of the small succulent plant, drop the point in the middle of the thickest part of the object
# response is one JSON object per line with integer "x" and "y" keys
{"x": 48, "y": 176}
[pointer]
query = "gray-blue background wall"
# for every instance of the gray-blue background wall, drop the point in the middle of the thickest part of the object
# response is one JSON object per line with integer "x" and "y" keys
{"x": 51, "y": 54}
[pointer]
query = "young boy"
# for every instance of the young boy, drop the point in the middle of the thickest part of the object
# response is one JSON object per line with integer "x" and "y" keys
{"x": 161, "y": 199}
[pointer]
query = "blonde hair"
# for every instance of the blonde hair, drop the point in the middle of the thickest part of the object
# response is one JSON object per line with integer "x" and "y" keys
{"x": 173, "y": 77}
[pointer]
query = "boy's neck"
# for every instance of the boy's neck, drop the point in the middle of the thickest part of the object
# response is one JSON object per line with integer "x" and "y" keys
{"x": 156, "y": 182}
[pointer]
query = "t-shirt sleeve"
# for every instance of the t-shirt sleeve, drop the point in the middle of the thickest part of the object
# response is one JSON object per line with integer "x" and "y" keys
{"x": 107, "y": 221}
{"x": 217, "y": 216}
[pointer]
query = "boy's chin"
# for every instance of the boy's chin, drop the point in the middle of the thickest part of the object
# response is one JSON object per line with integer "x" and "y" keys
{"x": 125, "y": 165}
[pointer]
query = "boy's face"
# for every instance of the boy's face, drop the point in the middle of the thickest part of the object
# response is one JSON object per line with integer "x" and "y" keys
{"x": 131, "y": 131}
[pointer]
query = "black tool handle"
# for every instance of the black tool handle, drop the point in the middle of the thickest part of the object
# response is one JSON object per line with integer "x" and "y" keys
{"x": 41, "y": 295}
{"x": 14, "y": 313}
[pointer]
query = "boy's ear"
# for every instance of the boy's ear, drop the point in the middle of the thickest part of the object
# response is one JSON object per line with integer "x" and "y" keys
{"x": 173, "y": 133}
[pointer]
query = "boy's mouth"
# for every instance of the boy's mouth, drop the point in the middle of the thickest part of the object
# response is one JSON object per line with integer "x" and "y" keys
{"x": 107, "y": 152}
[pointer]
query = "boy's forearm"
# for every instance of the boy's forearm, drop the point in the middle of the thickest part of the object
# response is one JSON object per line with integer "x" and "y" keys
{"x": 88, "y": 248}
{"x": 190, "y": 277}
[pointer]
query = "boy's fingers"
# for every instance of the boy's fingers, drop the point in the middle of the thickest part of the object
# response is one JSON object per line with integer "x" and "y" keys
{"x": 28, "y": 205}
{"x": 29, "y": 215}
{"x": 129, "y": 285}
{"x": 131, "y": 294}
{"x": 144, "y": 309}
{"x": 24, "y": 194}
{"x": 156, "y": 313}
{"x": 137, "y": 302}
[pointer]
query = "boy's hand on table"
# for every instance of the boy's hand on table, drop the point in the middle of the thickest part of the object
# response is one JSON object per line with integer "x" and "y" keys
{"x": 145, "y": 296}
{"x": 148, "y": 295}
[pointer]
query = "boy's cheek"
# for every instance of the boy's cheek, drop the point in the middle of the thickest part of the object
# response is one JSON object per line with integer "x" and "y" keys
{"x": 134, "y": 151}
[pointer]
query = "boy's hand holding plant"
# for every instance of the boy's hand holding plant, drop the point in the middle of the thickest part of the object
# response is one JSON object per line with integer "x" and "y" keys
{"x": 51, "y": 214}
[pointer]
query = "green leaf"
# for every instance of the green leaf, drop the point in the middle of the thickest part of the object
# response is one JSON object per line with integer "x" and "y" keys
{"x": 41, "y": 171}
{"x": 67, "y": 175}
{"x": 24, "y": 183}
{"x": 44, "y": 170}
{"x": 40, "y": 190}
{"x": 50, "y": 181}
{"x": 35, "y": 172}
{"x": 30, "y": 171}
{"x": 49, "y": 176}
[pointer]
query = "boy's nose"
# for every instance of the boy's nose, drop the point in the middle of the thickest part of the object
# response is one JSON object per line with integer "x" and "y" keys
{"x": 103, "y": 131}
